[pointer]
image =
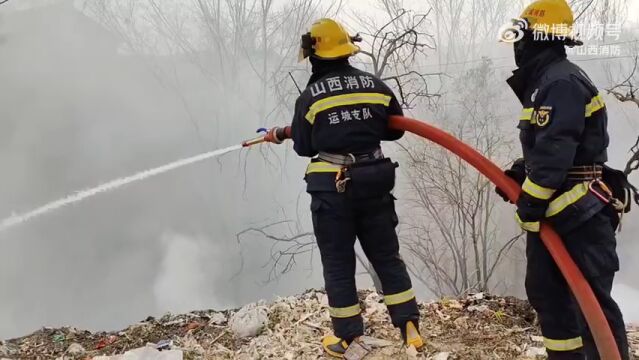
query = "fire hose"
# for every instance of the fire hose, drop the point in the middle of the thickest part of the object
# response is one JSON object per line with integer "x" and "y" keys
{"x": 580, "y": 288}
{"x": 582, "y": 291}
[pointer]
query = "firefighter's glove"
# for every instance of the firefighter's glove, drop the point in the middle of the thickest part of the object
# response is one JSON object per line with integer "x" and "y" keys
{"x": 277, "y": 134}
{"x": 516, "y": 172}
{"x": 530, "y": 212}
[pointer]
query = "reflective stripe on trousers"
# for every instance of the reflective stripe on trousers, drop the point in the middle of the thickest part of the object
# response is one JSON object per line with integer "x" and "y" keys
{"x": 345, "y": 312}
{"x": 563, "y": 345}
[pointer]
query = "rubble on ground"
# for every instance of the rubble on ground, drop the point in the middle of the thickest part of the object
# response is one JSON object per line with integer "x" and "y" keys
{"x": 476, "y": 327}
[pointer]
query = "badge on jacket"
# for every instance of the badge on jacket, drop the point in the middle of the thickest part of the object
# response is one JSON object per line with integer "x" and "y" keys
{"x": 542, "y": 116}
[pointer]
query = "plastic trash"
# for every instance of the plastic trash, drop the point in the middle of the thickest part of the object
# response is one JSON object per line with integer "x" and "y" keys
{"x": 75, "y": 349}
{"x": 375, "y": 342}
{"x": 357, "y": 350}
{"x": 217, "y": 319}
{"x": 58, "y": 338}
{"x": 145, "y": 353}
{"x": 106, "y": 342}
{"x": 164, "y": 345}
{"x": 249, "y": 321}
{"x": 193, "y": 326}
{"x": 441, "y": 356}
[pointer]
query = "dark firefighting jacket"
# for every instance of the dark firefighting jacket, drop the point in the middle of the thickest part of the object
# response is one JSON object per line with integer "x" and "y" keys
{"x": 344, "y": 112}
{"x": 563, "y": 124}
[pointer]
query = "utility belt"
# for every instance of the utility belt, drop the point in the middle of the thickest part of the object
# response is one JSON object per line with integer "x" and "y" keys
{"x": 582, "y": 173}
{"x": 607, "y": 184}
{"x": 588, "y": 191}
{"x": 349, "y": 159}
{"x": 585, "y": 173}
{"x": 362, "y": 176}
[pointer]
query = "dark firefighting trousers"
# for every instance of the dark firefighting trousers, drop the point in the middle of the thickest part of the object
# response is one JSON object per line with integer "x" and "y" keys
{"x": 337, "y": 221}
{"x": 566, "y": 334}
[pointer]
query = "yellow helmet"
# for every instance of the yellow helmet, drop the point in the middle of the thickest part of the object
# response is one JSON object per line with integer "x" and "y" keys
{"x": 551, "y": 17}
{"x": 328, "y": 40}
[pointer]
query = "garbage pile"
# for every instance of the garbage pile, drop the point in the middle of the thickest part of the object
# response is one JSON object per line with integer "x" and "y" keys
{"x": 476, "y": 327}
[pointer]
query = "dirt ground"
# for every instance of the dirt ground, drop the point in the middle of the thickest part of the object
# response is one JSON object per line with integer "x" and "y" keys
{"x": 477, "y": 327}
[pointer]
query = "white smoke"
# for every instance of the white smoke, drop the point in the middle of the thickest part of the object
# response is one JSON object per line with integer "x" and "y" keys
{"x": 627, "y": 297}
{"x": 183, "y": 282}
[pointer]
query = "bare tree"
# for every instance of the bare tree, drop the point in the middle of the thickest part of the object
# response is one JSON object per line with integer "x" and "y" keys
{"x": 286, "y": 248}
{"x": 221, "y": 38}
{"x": 289, "y": 243}
{"x": 463, "y": 28}
{"x": 240, "y": 51}
{"x": 627, "y": 90}
{"x": 395, "y": 48}
{"x": 450, "y": 228}
{"x": 600, "y": 11}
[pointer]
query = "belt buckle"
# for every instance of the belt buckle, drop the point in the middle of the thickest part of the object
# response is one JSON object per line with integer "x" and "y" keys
{"x": 351, "y": 157}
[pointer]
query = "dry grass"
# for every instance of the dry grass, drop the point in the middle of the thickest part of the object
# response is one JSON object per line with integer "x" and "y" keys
{"x": 477, "y": 327}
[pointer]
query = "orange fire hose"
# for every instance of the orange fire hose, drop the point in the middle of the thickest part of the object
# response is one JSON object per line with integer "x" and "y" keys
{"x": 589, "y": 305}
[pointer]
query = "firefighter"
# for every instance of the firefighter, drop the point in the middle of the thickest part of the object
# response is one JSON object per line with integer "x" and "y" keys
{"x": 340, "y": 119}
{"x": 562, "y": 130}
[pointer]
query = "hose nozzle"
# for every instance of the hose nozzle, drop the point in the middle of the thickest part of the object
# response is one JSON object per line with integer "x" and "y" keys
{"x": 275, "y": 135}
{"x": 257, "y": 140}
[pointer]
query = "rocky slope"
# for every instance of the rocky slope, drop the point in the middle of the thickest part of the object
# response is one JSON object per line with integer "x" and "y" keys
{"x": 477, "y": 327}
